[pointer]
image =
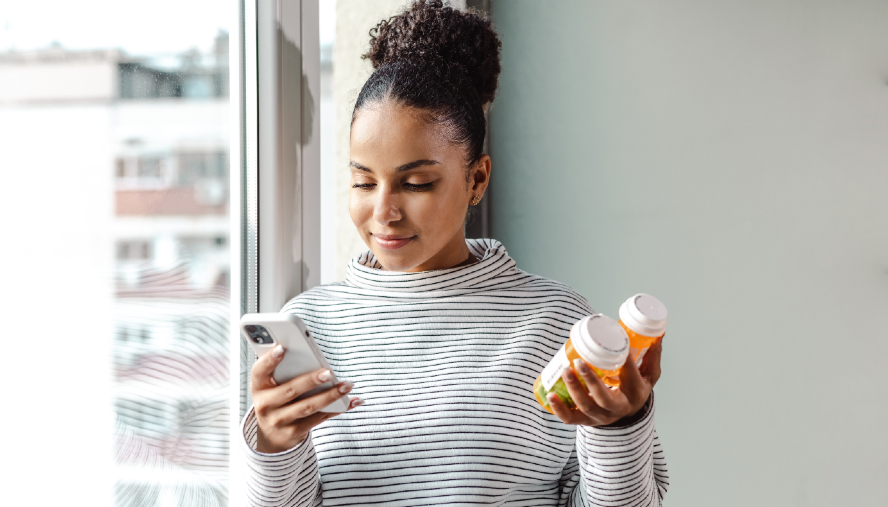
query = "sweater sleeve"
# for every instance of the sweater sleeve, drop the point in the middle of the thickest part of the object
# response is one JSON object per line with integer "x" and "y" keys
{"x": 620, "y": 466}
{"x": 570, "y": 477}
{"x": 284, "y": 479}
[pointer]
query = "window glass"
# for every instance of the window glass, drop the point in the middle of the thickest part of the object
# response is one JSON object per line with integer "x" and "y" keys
{"x": 114, "y": 120}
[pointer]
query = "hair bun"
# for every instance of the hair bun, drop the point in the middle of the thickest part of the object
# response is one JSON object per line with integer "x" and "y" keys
{"x": 429, "y": 31}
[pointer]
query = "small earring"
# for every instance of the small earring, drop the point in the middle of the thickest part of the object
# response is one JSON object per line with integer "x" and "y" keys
{"x": 476, "y": 200}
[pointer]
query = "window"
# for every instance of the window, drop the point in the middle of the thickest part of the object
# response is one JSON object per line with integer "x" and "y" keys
{"x": 119, "y": 139}
{"x": 133, "y": 250}
{"x": 171, "y": 302}
{"x": 129, "y": 167}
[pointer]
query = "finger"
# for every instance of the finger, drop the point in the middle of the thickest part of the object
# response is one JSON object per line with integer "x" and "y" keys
{"x": 319, "y": 417}
{"x": 307, "y": 423}
{"x": 354, "y": 402}
{"x": 579, "y": 393}
{"x": 632, "y": 385}
{"x": 650, "y": 367}
{"x": 561, "y": 410}
{"x": 260, "y": 374}
{"x": 313, "y": 404}
{"x": 295, "y": 387}
{"x": 597, "y": 391}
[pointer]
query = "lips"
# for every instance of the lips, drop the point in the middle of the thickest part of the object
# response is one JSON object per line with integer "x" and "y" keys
{"x": 392, "y": 241}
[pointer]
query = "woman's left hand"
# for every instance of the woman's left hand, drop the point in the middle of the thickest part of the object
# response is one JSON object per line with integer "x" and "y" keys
{"x": 600, "y": 405}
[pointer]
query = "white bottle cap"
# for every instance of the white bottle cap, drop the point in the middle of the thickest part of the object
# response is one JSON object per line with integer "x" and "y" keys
{"x": 644, "y": 314}
{"x": 600, "y": 341}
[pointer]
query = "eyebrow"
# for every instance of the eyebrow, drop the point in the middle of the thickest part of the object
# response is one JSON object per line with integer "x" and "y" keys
{"x": 401, "y": 168}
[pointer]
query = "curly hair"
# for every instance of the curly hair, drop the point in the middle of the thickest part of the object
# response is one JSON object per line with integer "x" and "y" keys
{"x": 440, "y": 60}
{"x": 428, "y": 30}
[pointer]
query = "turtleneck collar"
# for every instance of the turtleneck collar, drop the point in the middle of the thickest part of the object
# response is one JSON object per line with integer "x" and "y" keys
{"x": 364, "y": 271}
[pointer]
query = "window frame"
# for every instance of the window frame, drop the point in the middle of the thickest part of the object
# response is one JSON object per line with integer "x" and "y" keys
{"x": 275, "y": 65}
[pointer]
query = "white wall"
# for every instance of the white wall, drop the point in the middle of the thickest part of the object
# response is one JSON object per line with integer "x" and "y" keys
{"x": 732, "y": 159}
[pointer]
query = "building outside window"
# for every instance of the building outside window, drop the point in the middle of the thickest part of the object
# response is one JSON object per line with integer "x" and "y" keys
{"x": 146, "y": 134}
{"x": 121, "y": 210}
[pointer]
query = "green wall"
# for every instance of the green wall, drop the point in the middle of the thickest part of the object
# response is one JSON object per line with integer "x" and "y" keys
{"x": 730, "y": 158}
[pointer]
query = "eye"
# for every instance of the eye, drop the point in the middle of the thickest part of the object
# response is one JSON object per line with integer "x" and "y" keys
{"x": 419, "y": 187}
{"x": 365, "y": 186}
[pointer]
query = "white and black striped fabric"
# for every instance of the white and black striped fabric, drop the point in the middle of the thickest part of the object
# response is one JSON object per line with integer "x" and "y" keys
{"x": 445, "y": 361}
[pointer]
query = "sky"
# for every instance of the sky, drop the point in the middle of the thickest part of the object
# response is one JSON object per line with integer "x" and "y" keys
{"x": 143, "y": 27}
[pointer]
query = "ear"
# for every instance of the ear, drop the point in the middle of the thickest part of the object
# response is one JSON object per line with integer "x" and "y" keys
{"x": 480, "y": 177}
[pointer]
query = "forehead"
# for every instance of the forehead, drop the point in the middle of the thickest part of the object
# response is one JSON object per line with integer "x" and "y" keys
{"x": 398, "y": 134}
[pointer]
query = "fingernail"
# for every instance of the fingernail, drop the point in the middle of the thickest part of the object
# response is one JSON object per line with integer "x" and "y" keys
{"x": 278, "y": 351}
{"x": 324, "y": 376}
{"x": 581, "y": 366}
{"x": 551, "y": 397}
{"x": 568, "y": 374}
{"x": 357, "y": 402}
{"x": 345, "y": 387}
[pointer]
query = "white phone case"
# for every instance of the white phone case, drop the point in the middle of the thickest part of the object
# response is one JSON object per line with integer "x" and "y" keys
{"x": 301, "y": 353}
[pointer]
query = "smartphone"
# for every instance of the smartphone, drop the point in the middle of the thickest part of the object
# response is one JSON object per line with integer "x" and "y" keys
{"x": 264, "y": 331}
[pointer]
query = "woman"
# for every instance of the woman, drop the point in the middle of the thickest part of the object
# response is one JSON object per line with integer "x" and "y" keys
{"x": 442, "y": 336}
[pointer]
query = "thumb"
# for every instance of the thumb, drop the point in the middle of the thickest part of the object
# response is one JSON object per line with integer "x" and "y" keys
{"x": 260, "y": 375}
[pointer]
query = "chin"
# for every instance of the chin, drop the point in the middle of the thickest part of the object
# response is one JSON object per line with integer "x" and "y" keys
{"x": 397, "y": 262}
{"x": 402, "y": 259}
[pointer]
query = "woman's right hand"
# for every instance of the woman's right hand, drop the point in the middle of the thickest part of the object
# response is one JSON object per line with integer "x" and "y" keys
{"x": 284, "y": 424}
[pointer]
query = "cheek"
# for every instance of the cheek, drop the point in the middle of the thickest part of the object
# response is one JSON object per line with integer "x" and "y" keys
{"x": 443, "y": 212}
{"x": 360, "y": 208}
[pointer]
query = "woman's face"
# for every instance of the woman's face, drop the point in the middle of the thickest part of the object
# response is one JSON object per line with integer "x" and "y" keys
{"x": 409, "y": 191}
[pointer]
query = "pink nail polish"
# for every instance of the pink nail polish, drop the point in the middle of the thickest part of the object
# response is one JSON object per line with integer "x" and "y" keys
{"x": 580, "y": 366}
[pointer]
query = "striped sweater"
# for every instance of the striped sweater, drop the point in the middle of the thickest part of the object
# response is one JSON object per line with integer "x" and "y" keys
{"x": 445, "y": 361}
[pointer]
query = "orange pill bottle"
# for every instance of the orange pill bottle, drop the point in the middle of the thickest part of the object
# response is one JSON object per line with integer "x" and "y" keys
{"x": 600, "y": 342}
{"x": 644, "y": 318}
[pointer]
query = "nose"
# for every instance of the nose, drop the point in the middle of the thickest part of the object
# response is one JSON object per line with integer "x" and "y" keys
{"x": 386, "y": 208}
